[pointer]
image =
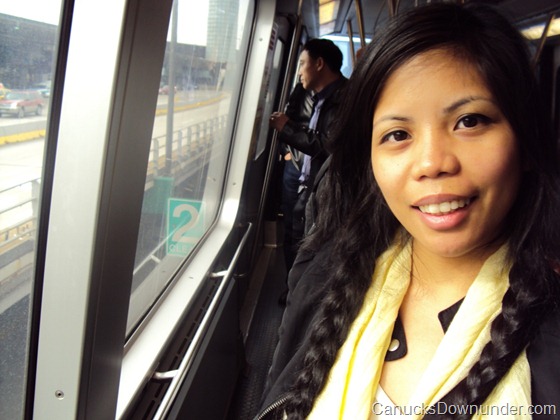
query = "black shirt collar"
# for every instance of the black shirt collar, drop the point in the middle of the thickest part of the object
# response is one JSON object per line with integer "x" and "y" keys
{"x": 398, "y": 347}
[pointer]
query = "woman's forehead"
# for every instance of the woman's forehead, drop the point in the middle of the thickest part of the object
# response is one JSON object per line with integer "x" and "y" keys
{"x": 445, "y": 69}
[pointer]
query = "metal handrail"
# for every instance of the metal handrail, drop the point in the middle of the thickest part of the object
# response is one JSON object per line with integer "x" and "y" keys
{"x": 178, "y": 375}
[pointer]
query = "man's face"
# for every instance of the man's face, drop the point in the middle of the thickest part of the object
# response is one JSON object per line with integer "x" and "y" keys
{"x": 308, "y": 73}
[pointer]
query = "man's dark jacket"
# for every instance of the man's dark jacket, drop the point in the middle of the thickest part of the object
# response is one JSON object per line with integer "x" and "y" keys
{"x": 315, "y": 143}
{"x": 299, "y": 109}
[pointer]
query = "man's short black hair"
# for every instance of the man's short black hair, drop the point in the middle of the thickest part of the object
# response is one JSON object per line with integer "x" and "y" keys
{"x": 327, "y": 50}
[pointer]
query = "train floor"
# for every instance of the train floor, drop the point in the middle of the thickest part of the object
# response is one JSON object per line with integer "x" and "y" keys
{"x": 262, "y": 335}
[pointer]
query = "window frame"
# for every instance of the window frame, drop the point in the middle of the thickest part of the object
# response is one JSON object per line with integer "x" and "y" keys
{"x": 146, "y": 346}
{"x": 103, "y": 147}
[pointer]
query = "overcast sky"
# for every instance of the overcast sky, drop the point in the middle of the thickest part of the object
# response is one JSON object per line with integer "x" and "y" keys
{"x": 191, "y": 28}
{"x": 40, "y": 10}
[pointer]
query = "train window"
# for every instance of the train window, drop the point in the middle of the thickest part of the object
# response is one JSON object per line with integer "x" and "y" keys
{"x": 28, "y": 36}
{"x": 344, "y": 44}
{"x": 192, "y": 129}
{"x": 270, "y": 84}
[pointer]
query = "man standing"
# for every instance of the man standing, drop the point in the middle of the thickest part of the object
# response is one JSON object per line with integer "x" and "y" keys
{"x": 298, "y": 109}
{"x": 319, "y": 71}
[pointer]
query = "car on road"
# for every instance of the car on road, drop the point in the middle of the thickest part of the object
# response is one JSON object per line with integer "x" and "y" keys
{"x": 164, "y": 90}
{"x": 44, "y": 88}
{"x": 21, "y": 102}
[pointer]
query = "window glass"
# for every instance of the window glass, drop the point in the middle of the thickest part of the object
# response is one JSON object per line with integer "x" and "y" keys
{"x": 344, "y": 44}
{"x": 270, "y": 85}
{"x": 28, "y": 35}
{"x": 192, "y": 131}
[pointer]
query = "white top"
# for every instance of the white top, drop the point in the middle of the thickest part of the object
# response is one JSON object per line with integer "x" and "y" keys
{"x": 383, "y": 408}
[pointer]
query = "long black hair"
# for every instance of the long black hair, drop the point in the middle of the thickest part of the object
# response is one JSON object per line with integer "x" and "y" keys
{"x": 353, "y": 213}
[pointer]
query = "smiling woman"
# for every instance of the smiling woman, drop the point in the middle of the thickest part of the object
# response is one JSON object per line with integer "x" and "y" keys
{"x": 142, "y": 254}
{"x": 438, "y": 219}
{"x": 450, "y": 178}
{"x": 440, "y": 141}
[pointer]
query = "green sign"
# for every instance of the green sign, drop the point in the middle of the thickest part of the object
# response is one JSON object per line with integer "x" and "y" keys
{"x": 184, "y": 225}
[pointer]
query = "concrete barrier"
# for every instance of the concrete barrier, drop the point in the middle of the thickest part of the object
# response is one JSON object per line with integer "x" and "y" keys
{"x": 17, "y": 132}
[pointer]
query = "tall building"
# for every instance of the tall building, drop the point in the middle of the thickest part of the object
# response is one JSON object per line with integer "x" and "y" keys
{"x": 27, "y": 49}
{"x": 222, "y": 30}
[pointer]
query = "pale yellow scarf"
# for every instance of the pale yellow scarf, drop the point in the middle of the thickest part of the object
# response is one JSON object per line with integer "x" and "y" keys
{"x": 354, "y": 377}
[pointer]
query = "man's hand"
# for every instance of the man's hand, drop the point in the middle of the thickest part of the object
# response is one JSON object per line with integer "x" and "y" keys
{"x": 278, "y": 120}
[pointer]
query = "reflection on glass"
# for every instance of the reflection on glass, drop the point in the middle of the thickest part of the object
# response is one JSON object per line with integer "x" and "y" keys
{"x": 191, "y": 137}
{"x": 270, "y": 83}
{"x": 28, "y": 34}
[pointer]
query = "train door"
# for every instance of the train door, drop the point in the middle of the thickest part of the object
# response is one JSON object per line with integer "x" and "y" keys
{"x": 121, "y": 191}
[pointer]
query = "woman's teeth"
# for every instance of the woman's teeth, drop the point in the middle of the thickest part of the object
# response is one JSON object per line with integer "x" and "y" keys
{"x": 445, "y": 207}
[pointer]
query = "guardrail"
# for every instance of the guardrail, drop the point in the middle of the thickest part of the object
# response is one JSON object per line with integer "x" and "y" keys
{"x": 187, "y": 145}
{"x": 20, "y": 228}
{"x": 18, "y": 225}
{"x": 189, "y": 153}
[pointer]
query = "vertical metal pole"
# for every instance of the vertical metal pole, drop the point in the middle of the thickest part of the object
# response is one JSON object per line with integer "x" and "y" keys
{"x": 544, "y": 35}
{"x": 393, "y": 6}
{"x": 360, "y": 17}
{"x": 294, "y": 53}
{"x": 351, "y": 38}
{"x": 171, "y": 91}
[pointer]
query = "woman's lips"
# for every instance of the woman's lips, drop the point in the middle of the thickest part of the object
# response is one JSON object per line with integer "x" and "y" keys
{"x": 444, "y": 212}
{"x": 444, "y": 207}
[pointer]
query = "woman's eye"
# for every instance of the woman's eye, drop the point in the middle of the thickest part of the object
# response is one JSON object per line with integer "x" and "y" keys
{"x": 471, "y": 121}
{"x": 398, "y": 135}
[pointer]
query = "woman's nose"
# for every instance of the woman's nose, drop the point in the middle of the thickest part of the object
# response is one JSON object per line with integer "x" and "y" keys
{"x": 434, "y": 156}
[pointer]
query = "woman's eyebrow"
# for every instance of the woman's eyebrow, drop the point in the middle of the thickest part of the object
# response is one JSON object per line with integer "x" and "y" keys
{"x": 458, "y": 104}
{"x": 391, "y": 118}
{"x": 447, "y": 110}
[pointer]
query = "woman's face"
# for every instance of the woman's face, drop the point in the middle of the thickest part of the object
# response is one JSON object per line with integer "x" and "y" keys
{"x": 444, "y": 156}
